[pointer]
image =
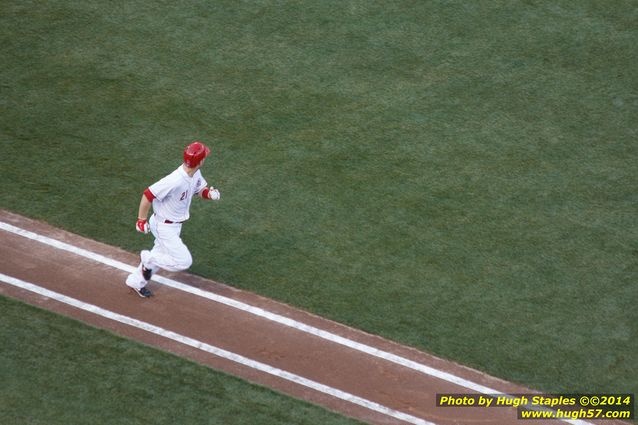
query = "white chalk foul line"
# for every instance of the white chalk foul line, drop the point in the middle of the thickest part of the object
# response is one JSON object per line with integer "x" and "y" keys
{"x": 216, "y": 351}
{"x": 372, "y": 351}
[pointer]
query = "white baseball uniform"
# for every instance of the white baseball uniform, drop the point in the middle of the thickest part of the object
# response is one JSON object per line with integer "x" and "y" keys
{"x": 172, "y": 198}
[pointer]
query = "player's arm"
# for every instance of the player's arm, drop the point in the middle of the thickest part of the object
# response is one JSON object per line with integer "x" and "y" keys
{"x": 142, "y": 213}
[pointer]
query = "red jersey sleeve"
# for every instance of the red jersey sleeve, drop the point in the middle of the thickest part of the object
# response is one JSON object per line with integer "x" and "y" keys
{"x": 149, "y": 195}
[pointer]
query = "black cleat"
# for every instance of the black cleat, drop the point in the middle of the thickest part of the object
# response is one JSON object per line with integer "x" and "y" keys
{"x": 143, "y": 292}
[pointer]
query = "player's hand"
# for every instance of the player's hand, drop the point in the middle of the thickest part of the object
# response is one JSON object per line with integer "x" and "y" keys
{"x": 213, "y": 194}
{"x": 142, "y": 225}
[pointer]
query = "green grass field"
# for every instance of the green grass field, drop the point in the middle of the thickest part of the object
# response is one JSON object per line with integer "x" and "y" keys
{"x": 457, "y": 176}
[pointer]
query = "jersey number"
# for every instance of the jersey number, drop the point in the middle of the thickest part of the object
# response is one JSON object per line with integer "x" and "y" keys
{"x": 183, "y": 196}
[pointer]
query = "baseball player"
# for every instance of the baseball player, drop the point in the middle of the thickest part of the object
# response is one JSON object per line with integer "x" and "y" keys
{"x": 170, "y": 198}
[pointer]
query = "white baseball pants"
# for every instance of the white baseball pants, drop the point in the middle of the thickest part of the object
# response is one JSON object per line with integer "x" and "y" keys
{"x": 169, "y": 252}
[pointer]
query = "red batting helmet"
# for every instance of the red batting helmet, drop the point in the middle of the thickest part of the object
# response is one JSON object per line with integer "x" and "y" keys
{"x": 195, "y": 153}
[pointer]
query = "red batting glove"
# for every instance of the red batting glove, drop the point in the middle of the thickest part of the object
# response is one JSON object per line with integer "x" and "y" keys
{"x": 142, "y": 225}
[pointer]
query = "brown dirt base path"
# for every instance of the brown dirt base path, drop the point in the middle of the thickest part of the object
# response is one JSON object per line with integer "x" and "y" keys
{"x": 339, "y": 368}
